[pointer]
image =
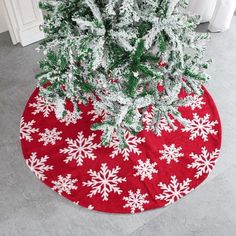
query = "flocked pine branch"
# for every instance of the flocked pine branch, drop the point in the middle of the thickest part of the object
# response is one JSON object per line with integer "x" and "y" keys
{"x": 125, "y": 55}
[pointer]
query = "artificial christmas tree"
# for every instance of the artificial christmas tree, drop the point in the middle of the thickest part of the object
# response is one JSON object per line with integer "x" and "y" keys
{"x": 120, "y": 104}
{"x": 117, "y": 53}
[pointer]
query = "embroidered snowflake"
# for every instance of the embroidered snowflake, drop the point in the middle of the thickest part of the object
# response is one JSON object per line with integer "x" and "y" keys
{"x": 204, "y": 162}
{"x": 171, "y": 153}
{"x": 26, "y": 129}
{"x": 132, "y": 143}
{"x": 80, "y": 148}
{"x": 195, "y": 102}
{"x": 90, "y": 207}
{"x": 174, "y": 190}
{"x": 50, "y": 136}
{"x": 162, "y": 126}
{"x": 71, "y": 118}
{"x": 42, "y": 105}
{"x": 38, "y": 165}
{"x": 145, "y": 169}
{"x": 98, "y": 114}
{"x": 135, "y": 201}
{"x": 201, "y": 127}
{"x": 104, "y": 182}
{"x": 64, "y": 184}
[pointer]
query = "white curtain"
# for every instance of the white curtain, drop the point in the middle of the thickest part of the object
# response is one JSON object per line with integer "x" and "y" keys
{"x": 218, "y": 12}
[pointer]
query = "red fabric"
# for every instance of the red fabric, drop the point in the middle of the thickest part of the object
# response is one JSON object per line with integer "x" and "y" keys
{"x": 107, "y": 179}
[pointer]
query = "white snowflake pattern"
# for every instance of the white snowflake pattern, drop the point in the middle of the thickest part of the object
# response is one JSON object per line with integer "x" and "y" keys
{"x": 162, "y": 126}
{"x": 195, "y": 102}
{"x": 64, "y": 184}
{"x": 50, "y": 136}
{"x": 98, "y": 114}
{"x": 26, "y": 129}
{"x": 201, "y": 127}
{"x": 132, "y": 146}
{"x": 42, "y": 105}
{"x": 38, "y": 165}
{"x": 135, "y": 200}
{"x": 90, "y": 207}
{"x": 145, "y": 169}
{"x": 104, "y": 182}
{"x": 80, "y": 148}
{"x": 204, "y": 162}
{"x": 71, "y": 118}
{"x": 174, "y": 190}
{"x": 171, "y": 153}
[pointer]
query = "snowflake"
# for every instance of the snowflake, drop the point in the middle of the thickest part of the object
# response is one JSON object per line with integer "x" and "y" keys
{"x": 204, "y": 162}
{"x": 71, "y": 118}
{"x": 195, "y": 102}
{"x": 104, "y": 182}
{"x": 64, "y": 184}
{"x": 145, "y": 169}
{"x": 132, "y": 143}
{"x": 37, "y": 165}
{"x": 171, "y": 153}
{"x": 90, "y": 207}
{"x": 50, "y": 136}
{"x": 162, "y": 126}
{"x": 80, "y": 148}
{"x": 200, "y": 127}
{"x": 135, "y": 200}
{"x": 42, "y": 105}
{"x": 98, "y": 114}
{"x": 174, "y": 190}
{"x": 26, "y": 129}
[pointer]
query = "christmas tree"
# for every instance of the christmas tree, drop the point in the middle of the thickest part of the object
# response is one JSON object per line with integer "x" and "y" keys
{"x": 126, "y": 56}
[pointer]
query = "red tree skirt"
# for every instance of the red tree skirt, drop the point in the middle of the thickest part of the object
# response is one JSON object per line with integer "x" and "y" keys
{"x": 154, "y": 170}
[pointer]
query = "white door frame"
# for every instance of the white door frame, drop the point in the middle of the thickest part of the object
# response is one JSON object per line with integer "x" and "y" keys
{"x": 23, "y": 19}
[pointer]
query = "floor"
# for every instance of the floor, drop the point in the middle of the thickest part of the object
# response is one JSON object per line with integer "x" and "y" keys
{"x": 29, "y": 208}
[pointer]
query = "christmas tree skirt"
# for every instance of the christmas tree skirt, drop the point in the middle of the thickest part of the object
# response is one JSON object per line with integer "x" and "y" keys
{"x": 153, "y": 171}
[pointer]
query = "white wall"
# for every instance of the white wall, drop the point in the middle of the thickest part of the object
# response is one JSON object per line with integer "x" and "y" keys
{"x": 3, "y": 24}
